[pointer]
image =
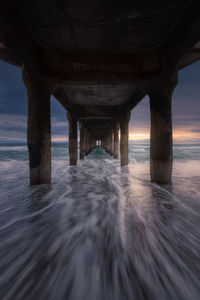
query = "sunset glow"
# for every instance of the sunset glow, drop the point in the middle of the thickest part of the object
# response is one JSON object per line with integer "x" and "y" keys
{"x": 178, "y": 135}
{"x": 184, "y": 134}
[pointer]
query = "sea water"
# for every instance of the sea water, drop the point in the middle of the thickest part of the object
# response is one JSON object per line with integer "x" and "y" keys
{"x": 100, "y": 231}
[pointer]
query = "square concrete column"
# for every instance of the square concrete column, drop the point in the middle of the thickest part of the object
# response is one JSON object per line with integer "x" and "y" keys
{"x": 124, "y": 132}
{"x": 91, "y": 143}
{"x": 82, "y": 142}
{"x": 161, "y": 154}
{"x": 111, "y": 144}
{"x": 107, "y": 143}
{"x": 73, "y": 149}
{"x": 39, "y": 130}
{"x": 86, "y": 143}
{"x": 103, "y": 142}
{"x": 116, "y": 141}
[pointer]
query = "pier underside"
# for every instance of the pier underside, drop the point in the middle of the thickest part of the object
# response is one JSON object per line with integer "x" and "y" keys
{"x": 99, "y": 59}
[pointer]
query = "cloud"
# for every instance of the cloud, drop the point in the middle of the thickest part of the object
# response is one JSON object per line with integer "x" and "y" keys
{"x": 13, "y": 125}
{"x": 14, "y": 106}
{"x": 195, "y": 130}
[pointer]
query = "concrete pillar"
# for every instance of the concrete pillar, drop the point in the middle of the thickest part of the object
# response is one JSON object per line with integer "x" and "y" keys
{"x": 90, "y": 143}
{"x": 112, "y": 143}
{"x": 161, "y": 154}
{"x": 87, "y": 143}
{"x": 124, "y": 120}
{"x": 82, "y": 142}
{"x": 102, "y": 142}
{"x": 38, "y": 131}
{"x": 73, "y": 149}
{"x": 116, "y": 141}
{"x": 107, "y": 143}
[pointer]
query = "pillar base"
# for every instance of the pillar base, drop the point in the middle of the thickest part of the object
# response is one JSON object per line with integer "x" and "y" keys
{"x": 82, "y": 155}
{"x": 124, "y": 162}
{"x": 37, "y": 178}
{"x": 161, "y": 171}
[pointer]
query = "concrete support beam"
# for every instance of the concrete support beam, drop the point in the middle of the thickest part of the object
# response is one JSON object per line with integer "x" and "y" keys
{"x": 103, "y": 142}
{"x": 110, "y": 142}
{"x": 73, "y": 149}
{"x": 82, "y": 142}
{"x": 38, "y": 131}
{"x": 116, "y": 141}
{"x": 87, "y": 143}
{"x": 161, "y": 154}
{"x": 124, "y": 131}
{"x": 107, "y": 148}
{"x": 90, "y": 143}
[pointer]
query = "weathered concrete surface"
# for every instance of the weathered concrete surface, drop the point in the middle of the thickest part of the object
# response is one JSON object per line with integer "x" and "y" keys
{"x": 124, "y": 120}
{"x": 82, "y": 140}
{"x": 116, "y": 140}
{"x": 38, "y": 131}
{"x": 73, "y": 150}
{"x": 116, "y": 145}
{"x": 100, "y": 58}
{"x": 161, "y": 152}
{"x": 111, "y": 41}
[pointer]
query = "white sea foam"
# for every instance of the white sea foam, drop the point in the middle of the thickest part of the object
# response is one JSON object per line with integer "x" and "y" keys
{"x": 13, "y": 148}
{"x": 99, "y": 231}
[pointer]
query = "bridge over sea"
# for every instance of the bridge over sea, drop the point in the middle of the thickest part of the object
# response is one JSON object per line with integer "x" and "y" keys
{"x": 99, "y": 59}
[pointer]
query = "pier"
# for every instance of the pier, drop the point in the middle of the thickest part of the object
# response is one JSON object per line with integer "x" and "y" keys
{"x": 99, "y": 59}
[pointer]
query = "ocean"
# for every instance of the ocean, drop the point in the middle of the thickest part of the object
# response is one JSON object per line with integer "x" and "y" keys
{"x": 100, "y": 231}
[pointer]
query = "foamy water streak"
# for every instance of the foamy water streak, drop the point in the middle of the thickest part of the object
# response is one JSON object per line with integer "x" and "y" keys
{"x": 99, "y": 232}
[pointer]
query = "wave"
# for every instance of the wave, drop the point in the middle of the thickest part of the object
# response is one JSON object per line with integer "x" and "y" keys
{"x": 99, "y": 231}
{"x": 13, "y": 148}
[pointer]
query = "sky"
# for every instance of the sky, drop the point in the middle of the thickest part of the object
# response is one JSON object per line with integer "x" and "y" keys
{"x": 13, "y": 109}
